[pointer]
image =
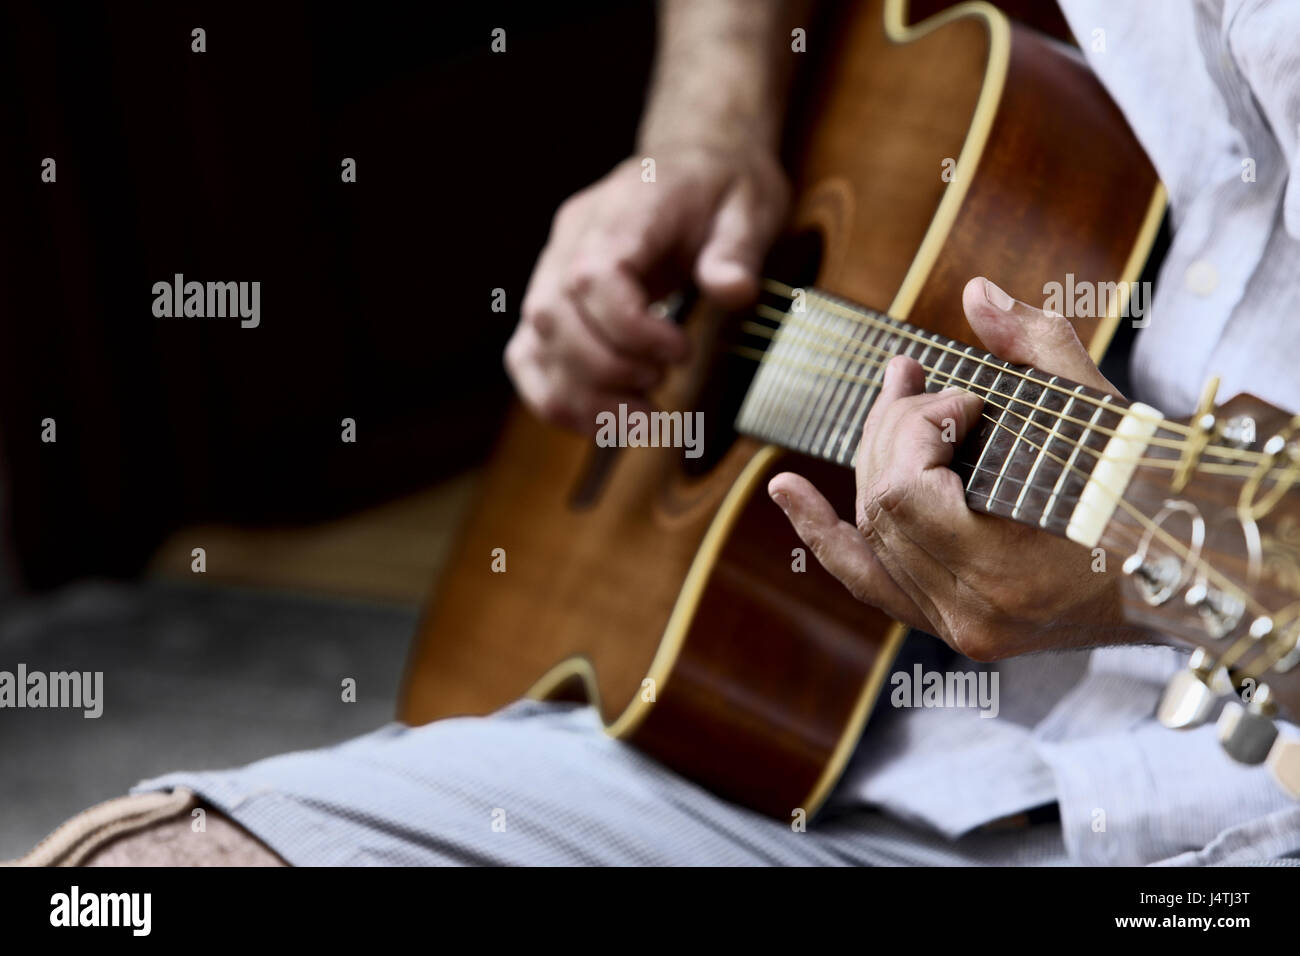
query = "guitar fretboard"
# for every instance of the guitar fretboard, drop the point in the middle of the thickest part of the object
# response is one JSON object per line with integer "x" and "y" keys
{"x": 1029, "y": 459}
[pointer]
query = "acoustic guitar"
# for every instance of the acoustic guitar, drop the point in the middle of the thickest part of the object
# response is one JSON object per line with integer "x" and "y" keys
{"x": 669, "y": 590}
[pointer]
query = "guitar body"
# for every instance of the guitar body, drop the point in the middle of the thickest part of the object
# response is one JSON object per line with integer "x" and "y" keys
{"x": 671, "y": 599}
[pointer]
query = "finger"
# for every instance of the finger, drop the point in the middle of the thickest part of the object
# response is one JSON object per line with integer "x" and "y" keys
{"x": 840, "y": 548}
{"x": 919, "y": 432}
{"x": 743, "y": 228}
{"x": 922, "y": 580}
{"x": 904, "y": 485}
{"x": 591, "y": 359}
{"x": 902, "y": 378}
{"x": 613, "y": 301}
{"x": 1022, "y": 334}
{"x": 554, "y": 395}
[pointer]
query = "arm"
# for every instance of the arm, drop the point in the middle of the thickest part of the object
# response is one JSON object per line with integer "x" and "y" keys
{"x": 587, "y": 339}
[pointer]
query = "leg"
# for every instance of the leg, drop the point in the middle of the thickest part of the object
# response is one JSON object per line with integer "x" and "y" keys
{"x": 151, "y": 829}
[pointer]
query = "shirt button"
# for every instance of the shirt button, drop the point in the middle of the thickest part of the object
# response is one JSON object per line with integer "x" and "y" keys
{"x": 1201, "y": 278}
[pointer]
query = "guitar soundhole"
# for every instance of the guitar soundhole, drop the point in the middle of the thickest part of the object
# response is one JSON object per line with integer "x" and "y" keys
{"x": 795, "y": 260}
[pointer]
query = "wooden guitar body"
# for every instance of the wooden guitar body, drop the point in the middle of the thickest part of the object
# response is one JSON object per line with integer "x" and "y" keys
{"x": 670, "y": 599}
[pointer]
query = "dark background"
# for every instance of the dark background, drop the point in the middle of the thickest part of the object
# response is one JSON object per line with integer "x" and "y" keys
{"x": 225, "y": 166}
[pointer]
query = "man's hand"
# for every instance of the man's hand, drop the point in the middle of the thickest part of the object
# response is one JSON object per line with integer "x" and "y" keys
{"x": 587, "y": 339}
{"x": 987, "y": 586}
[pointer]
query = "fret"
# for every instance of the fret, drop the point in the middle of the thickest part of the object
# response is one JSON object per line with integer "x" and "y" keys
{"x": 810, "y": 414}
{"x": 857, "y": 405}
{"x": 815, "y": 355}
{"x": 785, "y": 375}
{"x": 1026, "y": 418}
{"x": 1067, "y": 469}
{"x": 814, "y": 423}
{"x": 960, "y": 380}
{"x": 921, "y": 359}
{"x": 821, "y": 376}
{"x": 944, "y": 356}
{"x": 831, "y": 432}
{"x": 790, "y": 374}
{"x": 1046, "y": 445}
{"x": 991, "y": 442}
{"x": 850, "y": 430}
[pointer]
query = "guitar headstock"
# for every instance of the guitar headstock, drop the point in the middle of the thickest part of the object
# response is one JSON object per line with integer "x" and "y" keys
{"x": 1210, "y": 537}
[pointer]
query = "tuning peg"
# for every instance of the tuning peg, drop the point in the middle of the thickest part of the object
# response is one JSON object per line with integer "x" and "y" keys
{"x": 1247, "y": 732}
{"x": 1190, "y": 695}
{"x": 1292, "y": 656}
{"x": 1284, "y": 765}
{"x": 1238, "y": 431}
{"x": 1220, "y": 612}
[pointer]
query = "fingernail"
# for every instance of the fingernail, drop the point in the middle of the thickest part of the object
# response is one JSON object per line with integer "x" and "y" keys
{"x": 782, "y": 501}
{"x": 997, "y": 298}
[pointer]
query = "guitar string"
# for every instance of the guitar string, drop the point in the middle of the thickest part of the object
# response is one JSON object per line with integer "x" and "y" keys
{"x": 1221, "y": 451}
{"x": 864, "y": 318}
{"x": 1276, "y": 639}
{"x": 936, "y": 379}
{"x": 858, "y": 345}
{"x": 1222, "y": 582}
{"x": 863, "y": 349}
{"x": 931, "y": 375}
{"x": 872, "y": 320}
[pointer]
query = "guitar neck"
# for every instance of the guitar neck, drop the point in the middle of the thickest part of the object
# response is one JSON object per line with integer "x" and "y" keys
{"x": 1040, "y": 439}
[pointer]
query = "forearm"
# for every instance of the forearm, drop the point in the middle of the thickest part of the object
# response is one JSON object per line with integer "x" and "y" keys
{"x": 722, "y": 73}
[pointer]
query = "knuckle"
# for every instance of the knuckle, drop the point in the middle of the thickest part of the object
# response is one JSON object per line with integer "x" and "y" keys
{"x": 551, "y": 404}
{"x": 978, "y": 641}
{"x": 887, "y": 497}
{"x": 581, "y": 277}
{"x": 611, "y": 370}
{"x": 569, "y": 210}
{"x": 517, "y": 355}
{"x": 538, "y": 316}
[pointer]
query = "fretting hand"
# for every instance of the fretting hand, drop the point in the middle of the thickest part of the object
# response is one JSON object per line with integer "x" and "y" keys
{"x": 989, "y": 587}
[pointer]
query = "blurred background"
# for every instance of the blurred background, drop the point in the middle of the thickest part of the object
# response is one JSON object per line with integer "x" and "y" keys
{"x": 175, "y": 434}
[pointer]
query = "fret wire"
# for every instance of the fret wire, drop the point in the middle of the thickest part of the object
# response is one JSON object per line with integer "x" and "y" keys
{"x": 1038, "y": 459}
{"x": 784, "y": 378}
{"x": 833, "y": 401}
{"x": 1166, "y": 425}
{"x": 841, "y": 432}
{"x": 765, "y": 408}
{"x": 981, "y": 364}
{"x": 1009, "y": 459}
{"x": 998, "y": 365}
{"x": 998, "y": 424}
{"x": 932, "y": 379}
{"x": 840, "y": 435}
{"x": 1220, "y": 581}
{"x": 934, "y": 371}
{"x": 867, "y": 316}
{"x": 801, "y": 412}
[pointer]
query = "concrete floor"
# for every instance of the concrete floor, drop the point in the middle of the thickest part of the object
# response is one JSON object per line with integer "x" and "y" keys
{"x": 194, "y": 677}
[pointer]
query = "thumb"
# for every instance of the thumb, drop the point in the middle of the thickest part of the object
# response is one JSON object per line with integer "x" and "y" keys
{"x": 743, "y": 227}
{"x": 1022, "y": 334}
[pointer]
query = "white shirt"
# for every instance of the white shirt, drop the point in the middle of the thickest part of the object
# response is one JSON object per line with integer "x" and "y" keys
{"x": 1212, "y": 90}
